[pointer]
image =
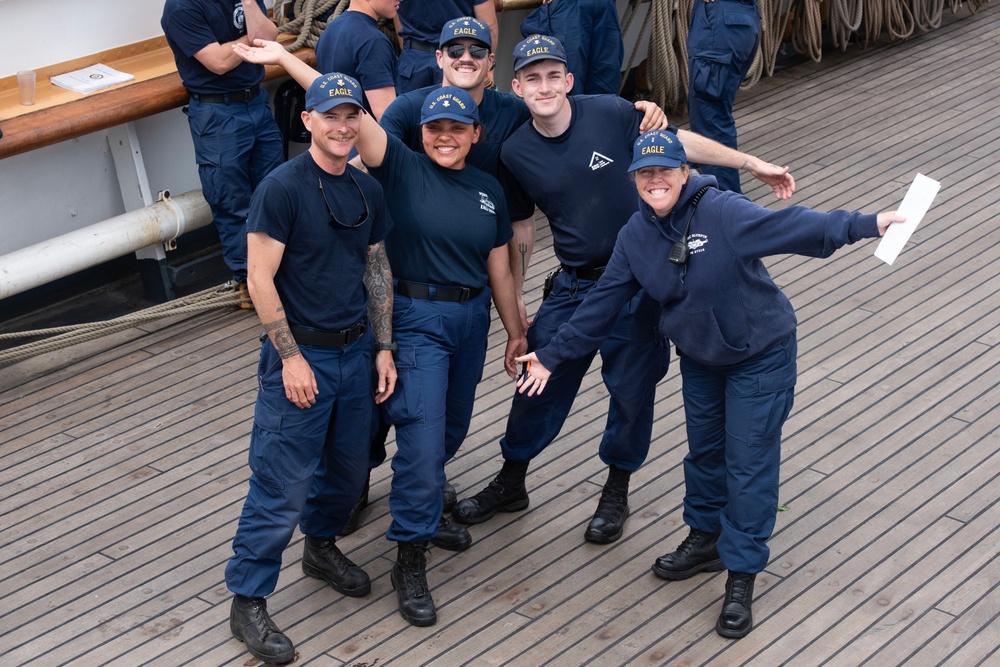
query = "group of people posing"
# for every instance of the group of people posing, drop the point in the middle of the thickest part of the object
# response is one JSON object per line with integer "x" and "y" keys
{"x": 375, "y": 292}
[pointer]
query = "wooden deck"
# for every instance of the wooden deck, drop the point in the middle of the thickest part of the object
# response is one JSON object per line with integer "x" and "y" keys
{"x": 123, "y": 461}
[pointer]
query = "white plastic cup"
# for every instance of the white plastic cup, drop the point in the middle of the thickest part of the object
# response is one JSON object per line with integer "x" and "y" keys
{"x": 26, "y": 86}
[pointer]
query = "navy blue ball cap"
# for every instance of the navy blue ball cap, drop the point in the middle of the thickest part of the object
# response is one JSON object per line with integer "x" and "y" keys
{"x": 449, "y": 102}
{"x": 468, "y": 27}
{"x": 330, "y": 90}
{"x": 538, "y": 47}
{"x": 657, "y": 148}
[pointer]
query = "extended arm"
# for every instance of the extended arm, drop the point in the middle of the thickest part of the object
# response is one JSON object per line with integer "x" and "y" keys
{"x": 502, "y": 284}
{"x": 263, "y": 258}
{"x": 378, "y": 282}
{"x": 271, "y": 53}
{"x": 706, "y": 151}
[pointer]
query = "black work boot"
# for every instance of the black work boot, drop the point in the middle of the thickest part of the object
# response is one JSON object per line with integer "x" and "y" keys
{"x": 321, "y": 559}
{"x": 250, "y": 623}
{"x": 697, "y": 553}
{"x": 409, "y": 578}
{"x": 449, "y": 496}
{"x": 451, "y": 537}
{"x": 358, "y": 511}
{"x": 506, "y": 493}
{"x": 612, "y": 509}
{"x": 736, "y": 619}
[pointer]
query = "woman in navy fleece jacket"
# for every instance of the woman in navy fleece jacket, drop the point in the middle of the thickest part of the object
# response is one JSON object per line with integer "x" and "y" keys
{"x": 734, "y": 331}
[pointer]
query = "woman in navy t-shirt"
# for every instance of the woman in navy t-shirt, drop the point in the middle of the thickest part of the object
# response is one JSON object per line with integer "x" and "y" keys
{"x": 448, "y": 251}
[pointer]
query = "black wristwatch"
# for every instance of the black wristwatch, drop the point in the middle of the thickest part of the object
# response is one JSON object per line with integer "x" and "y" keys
{"x": 380, "y": 346}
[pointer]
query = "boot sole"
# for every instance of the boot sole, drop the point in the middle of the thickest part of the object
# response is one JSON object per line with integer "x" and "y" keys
{"x": 277, "y": 659}
{"x": 316, "y": 573}
{"x": 670, "y": 575}
{"x": 518, "y": 506}
{"x": 732, "y": 634}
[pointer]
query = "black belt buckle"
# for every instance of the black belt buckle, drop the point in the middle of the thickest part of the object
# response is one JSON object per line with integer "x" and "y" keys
{"x": 464, "y": 294}
{"x": 304, "y": 336}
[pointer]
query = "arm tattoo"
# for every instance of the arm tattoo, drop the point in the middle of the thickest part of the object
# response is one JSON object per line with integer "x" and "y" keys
{"x": 523, "y": 249}
{"x": 378, "y": 282}
{"x": 282, "y": 338}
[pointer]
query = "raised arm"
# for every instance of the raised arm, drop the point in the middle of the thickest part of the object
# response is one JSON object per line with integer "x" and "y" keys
{"x": 706, "y": 151}
{"x": 263, "y": 258}
{"x": 378, "y": 282}
{"x": 272, "y": 53}
{"x": 502, "y": 284}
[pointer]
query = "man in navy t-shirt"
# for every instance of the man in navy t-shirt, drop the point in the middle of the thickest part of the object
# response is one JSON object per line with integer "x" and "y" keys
{"x": 236, "y": 141}
{"x": 418, "y": 23}
{"x": 353, "y": 44}
{"x": 321, "y": 283}
{"x": 572, "y": 160}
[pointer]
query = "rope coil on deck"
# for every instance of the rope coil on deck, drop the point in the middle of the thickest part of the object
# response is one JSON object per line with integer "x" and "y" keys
{"x": 61, "y": 337}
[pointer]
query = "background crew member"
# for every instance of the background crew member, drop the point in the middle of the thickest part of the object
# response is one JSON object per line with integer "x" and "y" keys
{"x": 236, "y": 141}
{"x": 572, "y": 161}
{"x": 449, "y": 250}
{"x": 590, "y": 33}
{"x": 317, "y": 267}
{"x": 722, "y": 41}
{"x": 418, "y": 23}
{"x": 353, "y": 44}
{"x": 735, "y": 335}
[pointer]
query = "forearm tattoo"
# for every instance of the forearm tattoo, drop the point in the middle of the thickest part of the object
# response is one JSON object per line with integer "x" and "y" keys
{"x": 282, "y": 338}
{"x": 378, "y": 282}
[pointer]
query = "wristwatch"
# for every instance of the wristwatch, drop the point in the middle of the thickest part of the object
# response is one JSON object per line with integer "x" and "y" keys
{"x": 390, "y": 346}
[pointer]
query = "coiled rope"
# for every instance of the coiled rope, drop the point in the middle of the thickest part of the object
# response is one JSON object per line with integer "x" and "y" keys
{"x": 306, "y": 24}
{"x": 62, "y": 337}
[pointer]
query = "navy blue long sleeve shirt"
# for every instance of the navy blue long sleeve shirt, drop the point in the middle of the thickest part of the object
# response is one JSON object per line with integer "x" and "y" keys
{"x": 721, "y": 307}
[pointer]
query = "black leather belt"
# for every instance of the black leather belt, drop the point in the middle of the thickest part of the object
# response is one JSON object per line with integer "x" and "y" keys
{"x": 228, "y": 98}
{"x": 305, "y": 336}
{"x": 418, "y": 45}
{"x": 584, "y": 273}
{"x": 435, "y": 293}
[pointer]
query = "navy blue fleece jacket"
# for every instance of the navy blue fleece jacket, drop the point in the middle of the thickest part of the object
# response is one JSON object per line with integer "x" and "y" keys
{"x": 721, "y": 307}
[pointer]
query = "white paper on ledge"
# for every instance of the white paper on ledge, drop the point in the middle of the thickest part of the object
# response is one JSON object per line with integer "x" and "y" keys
{"x": 915, "y": 204}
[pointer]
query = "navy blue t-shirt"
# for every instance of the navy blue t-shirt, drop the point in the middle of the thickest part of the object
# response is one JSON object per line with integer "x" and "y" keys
{"x": 499, "y": 113}
{"x": 319, "y": 280}
{"x": 191, "y": 25}
{"x": 580, "y": 179}
{"x": 423, "y": 19}
{"x": 447, "y": 221}
{"x": 353, "y": 44}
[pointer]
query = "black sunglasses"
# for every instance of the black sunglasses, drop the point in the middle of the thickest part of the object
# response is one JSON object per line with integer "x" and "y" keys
{"x": 333, "y": 219}
{"x": 455, "y": 51}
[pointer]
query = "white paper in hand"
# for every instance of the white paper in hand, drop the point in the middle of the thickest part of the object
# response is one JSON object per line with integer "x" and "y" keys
{"x": 915, "y": 204}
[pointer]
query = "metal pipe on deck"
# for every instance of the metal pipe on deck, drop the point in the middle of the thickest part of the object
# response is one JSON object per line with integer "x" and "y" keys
{"x": 115, "y": 237}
